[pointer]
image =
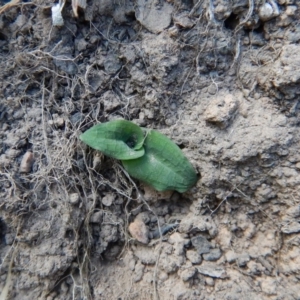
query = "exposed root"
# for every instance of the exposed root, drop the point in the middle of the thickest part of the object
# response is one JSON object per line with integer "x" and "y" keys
{"x": 9, "y": 5}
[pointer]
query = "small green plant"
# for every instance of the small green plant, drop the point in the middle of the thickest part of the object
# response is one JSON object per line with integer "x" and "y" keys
{"x": 146, "y": 154}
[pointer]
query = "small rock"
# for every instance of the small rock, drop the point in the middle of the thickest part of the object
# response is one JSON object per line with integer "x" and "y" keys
{"x": 243, "y": 259}
{"x": 224, "y": 237}
{"x": 292, "y": 227}
{"x": 212, "y": 89}
{"x": 183, "y": 21}
{"x": 97, "y": 159}
{"x": 268, "y": 11}
{"x": 163, "y": 276}
{"x": 222, "y": 11}
{"x": 170, "y": 263}
{"x": 152, "y": 195}
{"x": 27, "y": 162}
{"x": 293, "y": 211}
{"x": 254, "y": 268}
{"x": 108, "y": 199}
{"x": 212, "y": 270}
{"x": 209, "y": 281}
{"x": 149, "y": 113}
{"x": 148, "y": 278}
{"x": 112, "y": 64}
{"x": 186, "y": 275}
{"x": 154, "y": 18}
{"x": 285, "y": 20}
{"x": 96, "y": 217}
{"x": 201, "y": 244}
{"x": 81, "y": 45}
{"x": 144, "y": 216}
{"x": 57, "y": 121}
{"x": 139, "y": 231}
{"x": 64, "y": 287}
{"x": 178, "y": 243}
{"x": 230, "y": 256}
{"x": 221, "y": 110}
{"x": 18, "y": 114}
{"x": 193, "y": 223}
{"x": 9, "y": 238}
{"x": 12, "y": 153}
{"x": 213, "y": 255}
{"x": 193, "y": 256}
{"x": 266, "y": 264}
{"x": 291, "y": 10}
{"x": 173, "y": 32}
{"x": 74, "y": 198}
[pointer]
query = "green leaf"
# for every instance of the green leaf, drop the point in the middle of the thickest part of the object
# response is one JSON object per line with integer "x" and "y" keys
{"x": 163, "y": 166}
{"x": 119, "y": 139}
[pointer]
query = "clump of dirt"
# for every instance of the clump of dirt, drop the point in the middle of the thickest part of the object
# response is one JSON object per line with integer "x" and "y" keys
{"x": 219, "y": 78}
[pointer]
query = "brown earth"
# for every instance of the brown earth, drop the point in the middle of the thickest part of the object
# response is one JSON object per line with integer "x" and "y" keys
{"x": 221, "y": 78}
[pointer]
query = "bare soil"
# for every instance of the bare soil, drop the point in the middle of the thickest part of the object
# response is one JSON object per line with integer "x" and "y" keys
{"x": 221, "y": 79}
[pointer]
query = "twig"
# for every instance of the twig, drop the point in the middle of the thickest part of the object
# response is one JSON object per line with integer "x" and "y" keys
{"x": 196, "y": 6}
{"x": 5, "y": 290}
{"x": 248, "y": 16}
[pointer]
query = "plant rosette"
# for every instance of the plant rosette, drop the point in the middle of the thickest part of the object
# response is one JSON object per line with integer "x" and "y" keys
{"x": 146, "y": 154}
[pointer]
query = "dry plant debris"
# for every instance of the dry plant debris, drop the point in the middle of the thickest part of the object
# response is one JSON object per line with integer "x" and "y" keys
{"x": 8, "y": 5}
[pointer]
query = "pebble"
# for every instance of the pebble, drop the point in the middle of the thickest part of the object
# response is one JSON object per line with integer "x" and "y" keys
{"x": 27, "y": 162}
{"x": 12, "y": 153}
{"x": 97, "y": 159}
{"x": 201, "y": 244}
{"x": 152, "y": 17}
{"x": 9, "y": 238}
{"x": 148, "y": 278}
{"x": 209, "y": 281}
{"x": 230, "y": 256}
{"x": 266, "y": 264}
{"x": 186, "y": 275}
{"x": 212, "y": 270}
{"x": 183, "y": 20}
{"x": 291, "y": 10}
{"x": 293, "y": 211}
{"x": 108, "y": 199}
{"x": 213, "y": 255}
{"x": 74, "y": 198}
{"x": 243, "y": 259}
{"x": 268, "y": 11}
{"x": 221, "y": 110}
{"x": 57, "y": 121}
{"x": 139, "y": 231}
{"x": 193, "y": 256}
{"x": 178, "y": 243}
{"x": 143, "y": 216}
{"x": 96, "y": 217}
{"x": 163, "y": 230}
{"x": 292, "y": 227}
{"x": 163, "y": 276}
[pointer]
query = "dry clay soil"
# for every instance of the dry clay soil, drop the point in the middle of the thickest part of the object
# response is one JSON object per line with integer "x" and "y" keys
{"x": 221, "y": 78}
